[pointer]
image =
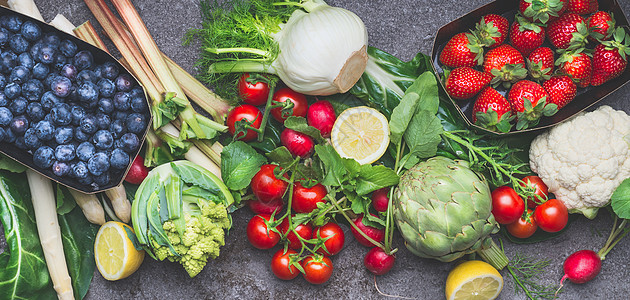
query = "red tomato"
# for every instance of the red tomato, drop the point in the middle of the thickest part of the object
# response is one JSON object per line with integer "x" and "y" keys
{"x": 305, "y": 199}
{"x": 259, "y": 235}
{"x": 266, "y": 186}
{"x": 551, "y": 216}
{"x": 261, "y": 208}
{"x": 377, "y": 234}
{"x": 281, "y": 265}
{"x": 335, "y": 243}
{"x": 305, "y": 231}
{"x": 507, "y": 206}
{"x": 317, "y": 271}
{"x": 252, "y": 93}
{"x": 539, "y": 185}
{"x": 523, "y": 228}
{"x": 300, "y": 105}
{"x": 249, "y": 113}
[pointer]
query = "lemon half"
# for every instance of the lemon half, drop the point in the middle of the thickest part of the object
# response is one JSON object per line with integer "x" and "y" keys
{"x": 361, "y": 133}
{"x": 473, "y": 280}
{"x": 116, "y": 257}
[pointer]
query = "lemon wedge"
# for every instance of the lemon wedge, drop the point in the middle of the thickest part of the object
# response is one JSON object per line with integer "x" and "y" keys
{"x": 361, "y": 133}
{"x": 116, "y": 257}
{"x": 473, "y": 280}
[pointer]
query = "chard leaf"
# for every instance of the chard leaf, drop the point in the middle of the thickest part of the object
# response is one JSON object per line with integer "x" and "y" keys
{"x": 11, "y": 165}
{"x": 341, "y": 102}
{"x": 372, "y": 178}
{"x": 620, "y": 200}
{"x": 423, "y": 134}
{"x": 299, "y": 124}
{"x": 239, "y": 164}
{"x": 65, "y": 201}
{"x": 334, "y": 168}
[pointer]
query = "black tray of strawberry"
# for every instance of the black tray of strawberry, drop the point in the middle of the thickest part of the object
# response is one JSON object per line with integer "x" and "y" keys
{"x": 471, "y": 79}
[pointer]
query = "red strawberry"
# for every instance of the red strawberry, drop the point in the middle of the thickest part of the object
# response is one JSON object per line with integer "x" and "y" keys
{"x": 601, "y": 24}
{"x": 561, "y": 90}
{"x": 492, "y": 30}
{"x": 462, "y": 50}
{"x": 582, "y": 7}
{"x": 526, "y": 36}
{"x": 492, "y": 111}
{"x": 577, "y": 65}
{"x": 529, "y": 100}
{"x": 568, "y": 32}
{"x": 540, "y": 63}
{"x": 609, "y": 59}
{"x": 463, "y": 83}
{"x": 543, "y": 11}
{"x": 505, "y": 64}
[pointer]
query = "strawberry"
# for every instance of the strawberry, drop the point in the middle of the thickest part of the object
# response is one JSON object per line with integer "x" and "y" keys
{"x": 492, "y": 111}
{"x": 492, "y": 30}
{"x": 568, "y": 32}
{"x": 526, "y": 36}
{"x": 609, "y": 59}
{"x": 582, "y": 7}
{"x": 541, "y": 10}
{"x": 529, "y": 100}
{"x": 463, "y": 83}
{"x": 540, "y": 63}
{"x": 602, "y": 25}
{"x": 561, "y": 90}
{"x": 505, "y": 64}
{"x": 577, "y": 65}
{"x": 462, "y": 50}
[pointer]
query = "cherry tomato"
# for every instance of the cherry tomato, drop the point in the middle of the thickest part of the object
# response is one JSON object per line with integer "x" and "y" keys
{"x": 305, "y": 199}
{"x": 377, "y": 234}
{"x": 259, "y": 235}
{"x": 252, "y": 93}
{"x": 523, "y": 228}
{"x": 551, "y": 216}
{"x": 305, "y": 231}
{"x": 281, "y": 265}
{"x": 317, "y": 271}
{"x": 249, "y": 113}
{"x": 300, "y": 105}
{"x": 380, "y": 199}
{"x": 334, "y": 244}
{"x": 378, "y": 262}
{"x": 539, "y": 185}
{"x": 266, "y": 186}
{"x": 265, "y": 208}
{"x": 507, "y": 205}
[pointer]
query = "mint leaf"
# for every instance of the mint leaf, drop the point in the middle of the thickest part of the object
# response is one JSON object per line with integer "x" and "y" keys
{"x": 372, "y": 178}
{"x": 299, "y": 124}
{"x": 239, "y": 164}
{"x": 620, "y": 200}
{"x": 423, "y": 134}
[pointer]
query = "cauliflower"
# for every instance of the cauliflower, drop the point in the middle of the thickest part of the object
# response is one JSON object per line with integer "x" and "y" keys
{"x": 584, "y": 160}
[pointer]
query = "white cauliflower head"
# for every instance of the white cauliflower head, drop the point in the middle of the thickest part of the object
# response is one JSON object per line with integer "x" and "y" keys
{"x": 584, "y": 160}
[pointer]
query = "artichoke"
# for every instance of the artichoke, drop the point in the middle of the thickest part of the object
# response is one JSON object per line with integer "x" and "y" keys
{"x": 443, "y": 210}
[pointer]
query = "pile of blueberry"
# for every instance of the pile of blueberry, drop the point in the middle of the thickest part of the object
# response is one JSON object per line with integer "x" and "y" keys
{"x": 78, "y": 119}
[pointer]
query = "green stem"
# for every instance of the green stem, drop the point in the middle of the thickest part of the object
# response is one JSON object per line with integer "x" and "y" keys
{"x": 241, "y": 66}
{"x": 616, "y": 234}
{"x": 343, "y": 213}
{"x": 329, "y": 209}
{"x": 494, "y": 256}
{"x": 519, "y": 283}
{"x": 268, "y": 106}
{"x": 254, "y": 51}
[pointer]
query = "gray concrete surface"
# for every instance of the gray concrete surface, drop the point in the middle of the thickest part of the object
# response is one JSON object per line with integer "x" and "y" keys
{"x": 401, "y": 27}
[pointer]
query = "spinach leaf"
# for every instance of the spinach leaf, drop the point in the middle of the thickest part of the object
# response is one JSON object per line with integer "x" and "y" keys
{"x": 239, "y": 164}
{"x": 423, "y": 134}
{"x": 620, "y": 200}
{"x": 334, "y": 168}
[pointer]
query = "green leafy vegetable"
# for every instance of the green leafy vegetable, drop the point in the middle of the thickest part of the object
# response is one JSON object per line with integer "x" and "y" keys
{"x": 239, "y": 164}
{"x": 65, "y": 201}
{"x": 9, "y": 164}
{"x": 299, "y": 124}
{"x": 620, "y": 200}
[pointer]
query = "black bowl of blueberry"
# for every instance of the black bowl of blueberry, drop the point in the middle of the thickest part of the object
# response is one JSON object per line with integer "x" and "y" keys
{"x": 68, "y": 110}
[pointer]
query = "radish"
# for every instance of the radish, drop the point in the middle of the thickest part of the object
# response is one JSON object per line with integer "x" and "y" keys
{"x": 260, "y": 208}
{"x": 299, "y": 144}
{"x": 321, "y": 115}
{"x": 378, "y": 262}
{"x": 137, "y": 172}
{"x": 380, "y": 199}
{"x": 374, "y": 233}
{"x": 581, "y": 266}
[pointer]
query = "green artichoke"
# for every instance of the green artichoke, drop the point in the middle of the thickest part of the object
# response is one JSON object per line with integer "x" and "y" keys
{"x": 443, "y": 210}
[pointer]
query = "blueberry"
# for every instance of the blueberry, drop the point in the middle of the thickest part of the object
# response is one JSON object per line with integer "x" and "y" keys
{"x": 13, "y": 23}
{"x": 124, "y": 83}
{"x": 83, "y": 60}
{"x": 139, "y": 104}
{"x": 61, "y": 86}
{"x": 120, "y": 115}
{"x": 49, "y": 100}
{"x": 88, "y": 92}
{"x": 80, "y": 170}
{"x": 98, "y": 71}
{"x": 18, "y": 44}
{"x": 18, "y": 105}
{"x": 5, "y": 116}
{"x": 52, "y": 39}
{"x": 103, "y": 139}
{"x": 20, "y": 75}
{"x": 46, "y": 54}
{"x": 4, "y": 36}
{"x": 60, "y": 168}
{"x": 4, "y": 101}
{"x": 102, "y": 179}
{"x": 103, "y": 121}
{"x": 30, "y": 139}
{"x": 35, "y": 49}
{"x": 88, "y": 180}
{"x": 119, "y": 159}
{"x": 9, "y": 136}
{"x": 40, "y": 71}
{"x": 129, "y": 142}
{"x": 43, "y": 157}
{"x": 59, "y": 61}
{"x": 12, "y": 90}
{"x": 77, "y": 114}
{"x": 35, "y": 111}
{"x": 61, "y": 114}
{"x": 2, "y": 134}
{"x": 33, "y": 90}
{"x": 25, "y": 60}
{"x": 85, "y": 150}
{"x": 64, "y": 135}
{"x": 19, "y": 142}
{"x": 3, "y": 81}
{"x": 8, "y": 61}
{"x": 135, "y": 123}
{"x": 105, "y": 105}
{"x": 68, "y": 48}
{"x": 69, "y": 71}
{"x": 19, "y": 125}
{"x": 81, "y": 136}
{"x": 65, "y": 152}
{"x": 117, "y": 128}
{"x": 98, "y": 164}
{"x": 88, "y": 124}
{"x": 45, "y": 130}
{"x": 122, "y": 101}
{"x": 109, "y": 70}
{"x": 31, "y": 31}
{"x": 106, "y": 87}
{"x": 86, "y": 75}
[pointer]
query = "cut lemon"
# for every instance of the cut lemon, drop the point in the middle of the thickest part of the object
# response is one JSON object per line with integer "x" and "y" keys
{"x": 473, "y": 280}
{"x": 116, "y": 257}
{"x": 361, "y": 133}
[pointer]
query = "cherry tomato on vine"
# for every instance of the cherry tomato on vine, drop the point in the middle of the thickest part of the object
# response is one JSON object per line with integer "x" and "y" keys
{"x": 281, "y": 265}
{"x": 266, "y": 186}
{"x": 507, "y": 205}
{"x": 305, "y": 231}
{"x": 300, "y": 105}
{"x": 523, "y": 228}
{"x": 305, "y": 199}
{"x": 259, "y": 234}
{"x": 249, "y": 113}
{"x": 334, "y": 244}
{"x": 265, "y": 208}
{"x": 252, "y": 93}
{"x": 551, "y": 216}
{"x": 539, "y": 185}
{"x": 317, "y": 271}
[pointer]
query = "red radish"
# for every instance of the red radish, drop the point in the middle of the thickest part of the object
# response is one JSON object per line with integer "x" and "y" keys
{"x": 378, "y": 262}
{"x": 374, "y": 233}
{"x": 321, "y": 115}
{"x": 581, "y": 266}
{"x": 380, "y": 199}
{"x": 299, "y": 144}
{"x": 137, "y": 172}
{"x": 261, "y": 208}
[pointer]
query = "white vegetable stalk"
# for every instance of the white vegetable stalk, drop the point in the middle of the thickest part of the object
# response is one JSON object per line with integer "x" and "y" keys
{"x": 49, "y": 232}
{"x": 120, "y": 203}
{"x": 90, "y": 206}
{"x": 194, "y": 154}
{"x": 26, "y": 7}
